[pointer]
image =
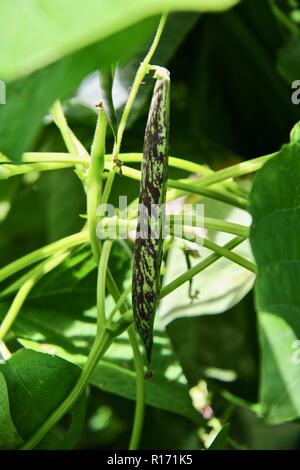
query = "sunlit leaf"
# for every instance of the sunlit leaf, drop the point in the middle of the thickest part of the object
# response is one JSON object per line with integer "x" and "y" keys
{"x": 275, "y": 202}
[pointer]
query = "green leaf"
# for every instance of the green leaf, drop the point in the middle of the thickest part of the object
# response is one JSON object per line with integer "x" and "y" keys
{"x": 24, "y": 200}
{"x": 37, "y": 383}
{"x": 60, "y": 318}
{"x": 63, "y": 219}
{"x": 66, "y": 435}
{"x": 220, "y": 441}
{"x": 167, "y": 390}
{"x": 29, "y": 99}
{"x": 275, "y": 208}
{"x": 9, "y": 437}
{"x": 246, "y": 48}
{"x": 57, "y": 27}
{"x": 77, "y": 424}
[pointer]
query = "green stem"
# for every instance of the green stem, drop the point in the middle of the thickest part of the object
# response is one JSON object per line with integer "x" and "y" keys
{"x": 4, "y": 351}
{"x": 139, "y": 77}
{"x": 18, "y": 283}
{"x": 210, "y": 223}
{"x": 140, "y": 391}
{"x": 53, "y": 161}
{"x": 189, "y": 235}
{"x": 119, "y": 306}
{"x": 54, "y": 157}
{"x": 142, "y": 71}
{"x": 74, "y": 146}
{"x": 8, "y": 170}
{"x": 48, "y": 250}
{"x": 184, "y": 165}
{"x": 175, "y": 162}
{"x": 16, "y": 307}
{"x": 25, "y": 289}
{"x": 124, "y": 225}
{"x": 226, "y": 227}
{"x": 210, "y": 177}
{"x": 102, "y": 271}
{"x": 185, "y": 277}
{"x": 217, "y": 194}
{"x": 94, "y": 181}
{"x": 107, "y": 188}
{"x": 284, "y": 19}
{"x": 240, "y": 260}
{"x": 235, "y": 171}
{"x": 139, "y": 368}
{"x": 101, "y": 344}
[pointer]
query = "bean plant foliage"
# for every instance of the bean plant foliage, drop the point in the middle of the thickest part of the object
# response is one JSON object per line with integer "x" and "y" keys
{"x": 190, "y": 339}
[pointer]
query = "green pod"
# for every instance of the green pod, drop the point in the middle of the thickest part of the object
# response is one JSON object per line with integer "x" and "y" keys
{"x": 148, "y": 248}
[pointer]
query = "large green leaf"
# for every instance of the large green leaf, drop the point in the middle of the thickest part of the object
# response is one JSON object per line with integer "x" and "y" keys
{"x": 167, "y": 390}
{"x": 275, "y": 208}
{"x": 28, "y": 99}
{"x": 9, "y": 437}
{"x": 37, "y": 383}
{"x": 60, "y": 27}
